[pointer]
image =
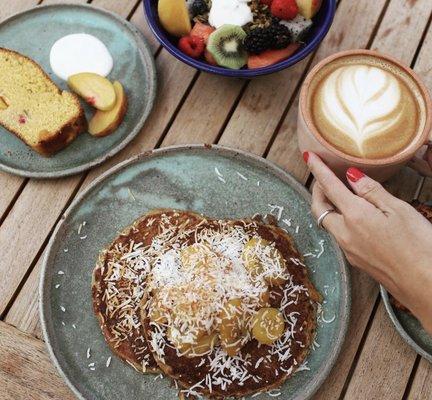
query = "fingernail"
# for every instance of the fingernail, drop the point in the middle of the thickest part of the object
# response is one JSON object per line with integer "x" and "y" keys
{"x": 306, "y": 156}
{"x": 354, "y": 174}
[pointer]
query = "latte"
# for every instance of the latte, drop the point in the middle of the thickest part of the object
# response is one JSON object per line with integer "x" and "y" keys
{"x": 366, "y": 107}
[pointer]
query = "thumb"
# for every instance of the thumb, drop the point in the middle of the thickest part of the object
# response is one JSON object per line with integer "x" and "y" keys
{"x": 369, "y": 189}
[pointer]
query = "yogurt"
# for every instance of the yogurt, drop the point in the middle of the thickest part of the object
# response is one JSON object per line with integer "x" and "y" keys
{"x": 234, "y": 12}
{"x": 80, "y": 52}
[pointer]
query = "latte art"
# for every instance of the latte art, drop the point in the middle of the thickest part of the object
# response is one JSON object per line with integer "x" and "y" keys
{"x": 365, "y": 110}
{"x": 362, "y": 101}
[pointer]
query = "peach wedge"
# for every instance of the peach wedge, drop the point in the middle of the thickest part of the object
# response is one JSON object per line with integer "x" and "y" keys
{"x": 105, "y": 122}
{"x": 94, "y": 89}
{"x": 174, "y": 17}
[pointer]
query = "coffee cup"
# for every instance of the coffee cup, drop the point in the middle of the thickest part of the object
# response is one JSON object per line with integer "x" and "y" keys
{"x": 364, "y": 109}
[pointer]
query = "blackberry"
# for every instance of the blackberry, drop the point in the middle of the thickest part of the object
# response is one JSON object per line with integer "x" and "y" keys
{"x": 281, "y": 36}
{"x": 259, "y": 40}
{"x": 199, "y": 7}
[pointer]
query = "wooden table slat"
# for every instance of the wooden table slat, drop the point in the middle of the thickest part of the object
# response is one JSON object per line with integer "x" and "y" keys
{"x": 26, "y": 372}
{"x": 421, "y": 388}
{"x": 385, "y": 362}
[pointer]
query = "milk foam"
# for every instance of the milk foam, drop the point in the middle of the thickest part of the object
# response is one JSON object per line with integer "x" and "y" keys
{"x": 362, "y": 101}
{"x": 366, "y": 107}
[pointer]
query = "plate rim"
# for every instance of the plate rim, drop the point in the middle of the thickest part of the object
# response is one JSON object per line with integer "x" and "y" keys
{"x": 147, "y": 59}
{"x": 399, "y": 327}
{"x": 345, "y": 306}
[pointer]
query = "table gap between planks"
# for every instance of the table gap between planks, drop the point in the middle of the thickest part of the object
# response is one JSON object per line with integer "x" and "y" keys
{"x": 258, "y": 116}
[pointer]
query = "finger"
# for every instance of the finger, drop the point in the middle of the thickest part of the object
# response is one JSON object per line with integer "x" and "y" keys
{"x": 320, "y": 204}
{"x": 369, "y": 189}
{"x": 333, "y": 188}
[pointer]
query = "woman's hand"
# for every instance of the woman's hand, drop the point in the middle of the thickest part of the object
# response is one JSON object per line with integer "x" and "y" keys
{"x": 382, "y": 235}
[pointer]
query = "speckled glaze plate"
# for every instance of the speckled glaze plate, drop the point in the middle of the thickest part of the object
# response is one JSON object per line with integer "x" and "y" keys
{"x": 213, "y": 180}
{"x": 33, "y": 33}
{"x": 409, "y": 327}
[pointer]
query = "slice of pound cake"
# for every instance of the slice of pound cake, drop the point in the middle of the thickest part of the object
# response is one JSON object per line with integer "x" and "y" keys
{"x": 34, "y": 108}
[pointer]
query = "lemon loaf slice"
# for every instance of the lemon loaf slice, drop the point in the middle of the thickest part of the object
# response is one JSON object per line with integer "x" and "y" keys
{"x": 34, "y": 108}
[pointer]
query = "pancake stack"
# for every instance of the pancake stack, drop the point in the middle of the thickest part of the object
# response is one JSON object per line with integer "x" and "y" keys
{"x": 223, "y": 307}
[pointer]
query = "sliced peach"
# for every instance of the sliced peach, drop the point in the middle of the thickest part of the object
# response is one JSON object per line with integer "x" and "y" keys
{"x": 105, "y": 122}
{"x": 308, "y": 8}
{"x": 94, "y": 89}
{"x": 174, "y": 17}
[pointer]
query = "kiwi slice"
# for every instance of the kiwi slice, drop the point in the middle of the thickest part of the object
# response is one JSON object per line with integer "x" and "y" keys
{"x": 226, "y": 46}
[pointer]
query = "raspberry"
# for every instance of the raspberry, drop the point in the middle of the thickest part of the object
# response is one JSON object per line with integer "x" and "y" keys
{"x": 284, "y": 9}
{"x": 193, "y": 46}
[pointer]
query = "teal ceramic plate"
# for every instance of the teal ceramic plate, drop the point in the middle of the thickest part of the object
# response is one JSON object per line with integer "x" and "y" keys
{"x": 409, "y": 328}
{"x": 216, "y": 181}
{"x": 32, "y": 33}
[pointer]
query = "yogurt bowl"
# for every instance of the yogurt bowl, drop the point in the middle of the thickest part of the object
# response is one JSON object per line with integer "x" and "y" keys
{"x": 321, "y": 25}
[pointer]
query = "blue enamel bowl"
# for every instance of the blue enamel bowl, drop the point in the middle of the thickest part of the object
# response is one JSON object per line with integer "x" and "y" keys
{"x": 322, "y": 23}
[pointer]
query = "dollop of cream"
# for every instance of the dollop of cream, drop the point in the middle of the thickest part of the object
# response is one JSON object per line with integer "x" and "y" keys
{"x": 233, "y": 12}
{"x": 362, "y": 101}
{"x": 80, "y": 52}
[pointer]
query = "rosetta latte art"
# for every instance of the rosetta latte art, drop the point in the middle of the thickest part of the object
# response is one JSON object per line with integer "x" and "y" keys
{"x": 365, "y": 109}
{"x": 362, "y": 101}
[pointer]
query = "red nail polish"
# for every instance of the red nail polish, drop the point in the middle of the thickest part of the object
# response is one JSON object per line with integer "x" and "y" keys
{"x": 306, "y": 156}
{"x": 354, "y": 174}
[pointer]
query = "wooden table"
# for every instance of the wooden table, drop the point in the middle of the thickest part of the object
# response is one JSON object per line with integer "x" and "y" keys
{"x": 258, "y": 116}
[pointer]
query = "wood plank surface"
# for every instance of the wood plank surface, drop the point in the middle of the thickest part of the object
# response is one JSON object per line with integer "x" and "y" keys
{"x": 27, "y": 238}
{"x": 26, "y": 372}
{"x": 421, "y": 388}
{"x": 385, "y": 363}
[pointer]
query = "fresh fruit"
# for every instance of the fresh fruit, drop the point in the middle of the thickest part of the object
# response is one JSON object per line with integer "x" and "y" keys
{"x": 195, "y": 257}
{"x": 202, "y": 30}
{"x": 198, "y": 7}
{"x": 282, "y": 36}
{"x": 157, "y": 316}
{"x": 298, "y": 27}
{"x": 105, "y": 122}
{"x": 174, "y": 17}
{"x": 94, "y": 89}
{"x": 209, "y": 58}
{"x": 203, "y": 345}
{"x": 308, "y": 8}
{"x": 230, "y": 329}
{"x": 173, "y": 335}
{"x": 249, "y": 256}
{"x": 226, "y": 46}
{"x": 258, "y": 40}
{"x": 284, "y": 9}
{"x": 276, "y": 36}
{"x": 268, "y": 325}
{"x": 264, "y": 299}
{"x": 266, "y": 2}
{"x": 271, "y": 57}
{"x": 193, "y": 46}
{"x": 254, "y": 265}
